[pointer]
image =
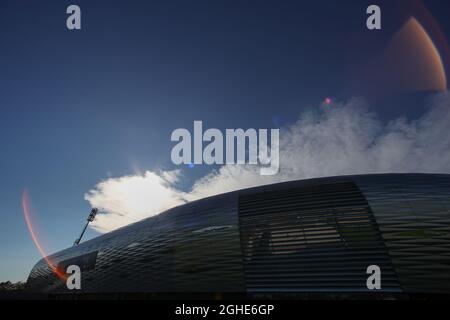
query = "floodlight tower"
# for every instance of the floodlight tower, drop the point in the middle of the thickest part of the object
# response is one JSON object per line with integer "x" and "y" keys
{"x": 90, "y": 218}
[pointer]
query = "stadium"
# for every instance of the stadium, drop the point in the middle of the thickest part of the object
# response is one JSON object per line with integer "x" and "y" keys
{"x": 300, "y": 238}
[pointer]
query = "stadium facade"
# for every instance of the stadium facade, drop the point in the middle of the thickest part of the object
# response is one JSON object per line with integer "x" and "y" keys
{"x": 302, "y": 237}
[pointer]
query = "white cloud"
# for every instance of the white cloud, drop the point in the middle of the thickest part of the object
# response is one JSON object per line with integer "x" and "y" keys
{"x": 345, "y": 138}
{"x": 129, "y": 199}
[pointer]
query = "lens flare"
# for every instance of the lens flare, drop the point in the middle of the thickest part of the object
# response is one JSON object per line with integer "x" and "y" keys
{"x": 26, "y": 206}
{"x": 415, "y": 58}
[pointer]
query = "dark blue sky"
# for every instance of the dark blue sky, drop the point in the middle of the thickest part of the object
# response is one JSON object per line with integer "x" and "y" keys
{"x": 79, "y": 106}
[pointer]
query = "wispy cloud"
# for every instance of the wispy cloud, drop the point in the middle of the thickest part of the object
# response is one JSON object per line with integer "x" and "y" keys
{"x": 344, "y": 138}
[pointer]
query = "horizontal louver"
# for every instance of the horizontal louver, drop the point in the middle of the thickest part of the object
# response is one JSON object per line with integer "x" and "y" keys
{"x": 413, "y": 214}
{"x": 192, "y": 248}
{"x": 311, "y": 239}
